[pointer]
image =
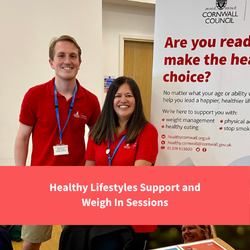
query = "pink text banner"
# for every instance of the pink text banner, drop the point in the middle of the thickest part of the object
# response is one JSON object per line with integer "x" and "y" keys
{"x": 124, "y": 195}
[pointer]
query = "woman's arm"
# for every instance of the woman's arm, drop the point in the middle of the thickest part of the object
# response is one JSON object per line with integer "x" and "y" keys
{"x": 143, "y": 163}
{"x": 147, "y": 146}
{"x": 90, "y": 163}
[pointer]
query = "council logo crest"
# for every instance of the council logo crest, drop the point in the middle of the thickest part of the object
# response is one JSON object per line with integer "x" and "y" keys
{"x": 221, "y": 4}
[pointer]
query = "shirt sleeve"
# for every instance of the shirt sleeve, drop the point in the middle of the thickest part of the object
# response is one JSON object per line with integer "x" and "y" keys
{"x": 90, "y": 152}
{"x": 147, "y": 144}
{"x": 95, "y": 112}
{"x": 28, "y": 110}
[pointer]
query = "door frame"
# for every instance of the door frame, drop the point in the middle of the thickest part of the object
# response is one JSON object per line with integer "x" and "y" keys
{"x": 130, "y": 37}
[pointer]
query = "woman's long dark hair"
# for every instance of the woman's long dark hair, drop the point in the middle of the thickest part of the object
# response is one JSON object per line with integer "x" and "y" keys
{"x": 108, "y": 119}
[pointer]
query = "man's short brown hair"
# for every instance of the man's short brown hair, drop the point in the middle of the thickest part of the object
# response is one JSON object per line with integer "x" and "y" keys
{"x": 62, "y": 38}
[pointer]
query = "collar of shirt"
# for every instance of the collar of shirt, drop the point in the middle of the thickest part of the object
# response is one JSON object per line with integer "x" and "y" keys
{"x": 79, "y": 93}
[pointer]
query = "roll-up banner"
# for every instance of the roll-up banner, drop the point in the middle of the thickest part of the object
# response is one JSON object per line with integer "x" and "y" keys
{"x": 201, "y": 82}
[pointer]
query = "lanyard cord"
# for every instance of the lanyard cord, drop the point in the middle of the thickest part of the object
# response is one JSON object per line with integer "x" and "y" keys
{"x": 111, "y": 158}
{"x": 57, "y": 112}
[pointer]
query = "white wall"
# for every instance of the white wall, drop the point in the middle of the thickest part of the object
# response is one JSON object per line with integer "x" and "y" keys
{"x": 118, "y": 19}
{"x": 26, "y": 28}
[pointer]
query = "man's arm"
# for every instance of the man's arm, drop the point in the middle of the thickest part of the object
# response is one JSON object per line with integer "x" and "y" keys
{"x": 22, "y": 144}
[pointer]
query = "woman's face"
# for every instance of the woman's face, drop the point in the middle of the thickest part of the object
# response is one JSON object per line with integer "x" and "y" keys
{"x": 124, "y": 103}
{"x": 192, "y": 233}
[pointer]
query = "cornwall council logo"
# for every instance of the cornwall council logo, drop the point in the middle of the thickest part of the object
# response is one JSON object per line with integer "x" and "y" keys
{"x": 221, "y": 4}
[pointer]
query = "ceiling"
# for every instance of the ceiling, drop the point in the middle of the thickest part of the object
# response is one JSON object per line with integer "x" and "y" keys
{"x": 136, "y": 3}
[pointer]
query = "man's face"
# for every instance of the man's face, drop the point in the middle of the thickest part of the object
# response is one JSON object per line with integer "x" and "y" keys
{"x": 66, "y": 61}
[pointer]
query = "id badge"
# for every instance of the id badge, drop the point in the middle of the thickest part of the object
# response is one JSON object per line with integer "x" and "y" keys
{"x": 61, "y": 149}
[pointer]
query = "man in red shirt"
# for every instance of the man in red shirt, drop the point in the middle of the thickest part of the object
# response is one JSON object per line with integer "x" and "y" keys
{"x": 55, "y": 113}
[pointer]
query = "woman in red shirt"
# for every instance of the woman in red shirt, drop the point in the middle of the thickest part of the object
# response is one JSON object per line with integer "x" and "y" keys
{"x": 122, "y": 136}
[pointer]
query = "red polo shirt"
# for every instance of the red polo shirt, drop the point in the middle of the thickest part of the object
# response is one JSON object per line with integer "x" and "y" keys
{"x": 144, "y": 148}
{"x": 38, "y": 111}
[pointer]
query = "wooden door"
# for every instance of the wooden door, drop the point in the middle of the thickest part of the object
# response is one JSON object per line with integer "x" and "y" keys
{"x": 138, "y": 63}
